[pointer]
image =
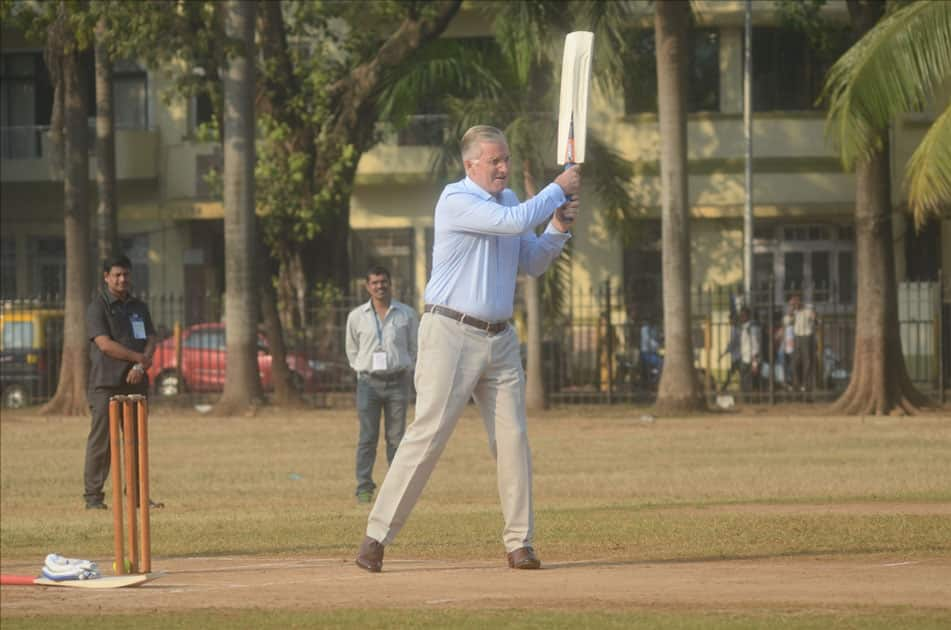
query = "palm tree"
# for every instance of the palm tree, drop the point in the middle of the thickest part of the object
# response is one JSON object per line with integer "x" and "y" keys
{"x": 678, "y": 390}
{"x": 242, "y": 384}
{"x": 895, "y": 67}
{"x": 68, "y": 131}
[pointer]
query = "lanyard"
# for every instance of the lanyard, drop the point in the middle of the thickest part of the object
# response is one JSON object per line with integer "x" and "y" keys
{"x": 379, "y": 329}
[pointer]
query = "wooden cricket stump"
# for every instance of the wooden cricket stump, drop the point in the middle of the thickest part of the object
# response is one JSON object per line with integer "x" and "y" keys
{"x": 129, "y": 447}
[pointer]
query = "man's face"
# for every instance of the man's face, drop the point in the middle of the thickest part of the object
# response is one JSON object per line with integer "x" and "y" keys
{"x": 491, "y": 169}
{"x": 378, "y": 286}
{"x": 118, "y": 279}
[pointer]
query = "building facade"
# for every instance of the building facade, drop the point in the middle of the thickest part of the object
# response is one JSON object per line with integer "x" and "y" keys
{"x": 171, "y": 225}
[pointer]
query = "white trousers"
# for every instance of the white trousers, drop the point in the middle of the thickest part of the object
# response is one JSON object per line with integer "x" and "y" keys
{"x": 455, "y": 363}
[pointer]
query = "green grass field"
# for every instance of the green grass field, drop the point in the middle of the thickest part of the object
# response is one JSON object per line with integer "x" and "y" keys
{"x": 607, "y": 484}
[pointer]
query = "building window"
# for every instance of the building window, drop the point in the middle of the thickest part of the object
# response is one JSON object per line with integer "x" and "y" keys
{"x": 846, "y": 280}
{"x": 762, "y": 271}
{"x": 136, "y": 247}
{"x": 816, "y": 261}
{"x": 643, "y": 273}
{"x": 788, "y": 71}
{"x": 49, "y": 266}
{"x": 392, "y": 248}
{"x": 423, "y": 130}
{"x": 703, "y": 72}
{"x": 428, "y": 124}
{"x": 203, "y": 112}
{"x": 26, "y": 103}
{"x": 130, "y": 95}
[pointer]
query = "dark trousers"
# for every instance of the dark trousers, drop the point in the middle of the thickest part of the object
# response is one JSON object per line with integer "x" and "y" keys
{"x": 804, "y": 363}
{"x": 734, "y": 369}
{"x": 98, "y": 451}
{"x": 391, "y": 396}
{"x": 747, "y": 379}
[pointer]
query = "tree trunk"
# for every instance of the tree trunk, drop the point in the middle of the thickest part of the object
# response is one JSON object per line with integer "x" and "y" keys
{"x": 107, "y": 222}
{"x": 285, "y": 394}
{"x": 70, "y": 396}
{"x": 879, "y": 384}
{"x": 242, "y": 383}
{"x": 678, "y": 390}
{"x": 534, "y": 379}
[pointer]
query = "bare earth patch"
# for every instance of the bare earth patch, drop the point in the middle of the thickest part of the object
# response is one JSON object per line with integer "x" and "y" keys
{"x": 814, "y": 582}
{"x": 321, "y": 583}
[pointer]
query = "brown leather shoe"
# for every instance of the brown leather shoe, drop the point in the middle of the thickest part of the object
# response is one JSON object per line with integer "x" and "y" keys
{"x": 524, "y": 558}
{"x": 370, "y": 556}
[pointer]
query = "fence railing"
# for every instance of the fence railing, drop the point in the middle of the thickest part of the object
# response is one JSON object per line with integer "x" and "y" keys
{"x": 607, "y": 348}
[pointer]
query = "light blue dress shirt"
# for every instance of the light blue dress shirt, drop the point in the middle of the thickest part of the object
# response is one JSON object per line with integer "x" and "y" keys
{"x": 480, "y": 244}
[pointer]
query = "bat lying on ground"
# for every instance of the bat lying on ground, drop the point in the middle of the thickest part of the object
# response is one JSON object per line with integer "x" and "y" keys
{"x": 573, "y": 106}
{"x": 118, "y": 581}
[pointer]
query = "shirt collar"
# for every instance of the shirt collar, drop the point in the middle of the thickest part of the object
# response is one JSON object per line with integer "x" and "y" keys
{"x": 113, "y": 298}
{"x": 368, "y": 306}
{"x": 480, "y": 191}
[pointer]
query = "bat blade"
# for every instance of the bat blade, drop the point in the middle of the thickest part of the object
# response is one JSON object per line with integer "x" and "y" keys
{"x": 118, "y": 581}
{"x": 573, "y": 106}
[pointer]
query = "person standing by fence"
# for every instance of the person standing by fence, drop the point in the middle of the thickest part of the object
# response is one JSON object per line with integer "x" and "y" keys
{"x": 749, "y": 341}
{"x": 804, "y": 353}
{"x": 483, "y": 238}
{"x": 381, "y": 348}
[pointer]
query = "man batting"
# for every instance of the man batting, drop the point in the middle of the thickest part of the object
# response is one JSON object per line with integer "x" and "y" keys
{"x": 483, "y": 238}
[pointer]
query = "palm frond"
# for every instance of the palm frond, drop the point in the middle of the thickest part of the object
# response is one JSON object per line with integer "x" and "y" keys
{"x": 928, "y": 173}
{"x": 611, "y": 23}
{"x": 526, "y": 32}
{"x": 445, "y": 67}
{"x": 896, "y": 67}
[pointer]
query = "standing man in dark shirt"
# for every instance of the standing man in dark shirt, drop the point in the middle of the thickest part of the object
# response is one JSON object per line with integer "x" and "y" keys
{"x": 122, "y": 340}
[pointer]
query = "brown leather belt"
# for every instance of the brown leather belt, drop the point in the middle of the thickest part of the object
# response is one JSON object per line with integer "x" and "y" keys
{"x": 493, "y": 328}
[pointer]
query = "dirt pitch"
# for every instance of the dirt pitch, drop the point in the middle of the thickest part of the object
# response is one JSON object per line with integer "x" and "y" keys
{"x": 295, "y": 583}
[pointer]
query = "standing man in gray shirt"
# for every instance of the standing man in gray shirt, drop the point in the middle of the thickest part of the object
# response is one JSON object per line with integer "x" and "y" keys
{"x": 121, "y": 343}
{"x": 381, "y": 348}
{"x": 483, "y": 238}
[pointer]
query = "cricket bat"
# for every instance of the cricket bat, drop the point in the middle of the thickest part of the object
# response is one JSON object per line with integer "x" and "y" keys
{"x": 118, "y": 581}
{"x": 573, "y": 105}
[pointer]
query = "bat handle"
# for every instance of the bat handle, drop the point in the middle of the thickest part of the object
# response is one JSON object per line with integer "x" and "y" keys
{"x": 570, "y": 197}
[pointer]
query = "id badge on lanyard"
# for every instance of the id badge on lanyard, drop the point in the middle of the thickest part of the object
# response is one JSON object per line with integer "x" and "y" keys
{"x": 138, "y": 326}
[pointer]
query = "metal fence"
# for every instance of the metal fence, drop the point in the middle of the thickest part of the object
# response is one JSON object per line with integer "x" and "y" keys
{"x": 606, "y": 348}
{"x": 610, "y": 349}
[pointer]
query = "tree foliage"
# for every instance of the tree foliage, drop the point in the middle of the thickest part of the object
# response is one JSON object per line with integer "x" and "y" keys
{"x": 897, "y": 67}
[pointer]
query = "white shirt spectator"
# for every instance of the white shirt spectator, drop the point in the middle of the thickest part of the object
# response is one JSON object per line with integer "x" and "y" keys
{"x": 749, "y": 342}
{"x": 805, "y": 321}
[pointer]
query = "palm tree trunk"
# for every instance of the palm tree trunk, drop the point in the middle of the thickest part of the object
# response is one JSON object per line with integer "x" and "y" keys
{"x": 880, "y": 384}
{"x": 534, "y": 381}
{"x": 107, "y": 222}
{"x": 70, "y": 396}
{"x": 678, "y": 390}
{"x": 242, "y": 383}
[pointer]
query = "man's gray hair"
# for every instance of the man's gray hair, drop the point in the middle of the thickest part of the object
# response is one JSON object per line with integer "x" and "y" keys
{"x": 473, "y": 138}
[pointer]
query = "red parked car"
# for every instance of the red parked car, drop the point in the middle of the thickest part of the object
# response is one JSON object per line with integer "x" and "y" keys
{"x": 203, "y": 360}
